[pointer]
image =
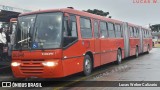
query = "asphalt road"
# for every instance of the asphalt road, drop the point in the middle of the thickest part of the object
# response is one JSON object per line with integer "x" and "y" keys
{"x": 144, "y": 68}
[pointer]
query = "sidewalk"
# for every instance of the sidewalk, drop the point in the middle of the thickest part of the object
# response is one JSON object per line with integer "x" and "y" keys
{"x": 4, "y": 63}
{"x": 5, "y": 70}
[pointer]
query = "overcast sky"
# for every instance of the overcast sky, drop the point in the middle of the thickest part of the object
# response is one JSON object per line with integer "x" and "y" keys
{"x": 124, "y": 10}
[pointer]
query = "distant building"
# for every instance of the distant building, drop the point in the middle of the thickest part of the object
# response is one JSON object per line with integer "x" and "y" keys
{"x": 8, "y": 12}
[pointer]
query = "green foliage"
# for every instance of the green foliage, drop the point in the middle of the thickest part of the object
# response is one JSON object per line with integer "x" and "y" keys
{"x": 155, "y": 28}
{"x": 110, "y": 17}
{"x": 98, "y": 12}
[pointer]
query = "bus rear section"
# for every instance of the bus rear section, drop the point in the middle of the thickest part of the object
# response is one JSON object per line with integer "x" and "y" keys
{"x": 137, "y": 40}
{"x": 147, "y": 39}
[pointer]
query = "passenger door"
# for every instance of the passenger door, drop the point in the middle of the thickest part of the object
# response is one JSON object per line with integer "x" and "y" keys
{"x": 97, "y": 54}
{"x": 105, "y": 43}
{"x": 71, "y": 54}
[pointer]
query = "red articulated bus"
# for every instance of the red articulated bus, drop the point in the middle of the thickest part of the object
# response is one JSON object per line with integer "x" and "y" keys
{"x": 60, "y": 42}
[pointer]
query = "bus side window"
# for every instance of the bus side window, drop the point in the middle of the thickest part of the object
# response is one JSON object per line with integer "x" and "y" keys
{"x": 137, "y": 30}
{"x": 66, "y": 27}
{"x": 73, "y": 26}
{"x": 103, "y": 29}
{"x": 118, "y": 30}
{"x": 121, "y": 30}
{"x": 111, "y": 30}
{"x": 135, "y": 33}
{"x": 131, "y": 31}
{"x": 148, "y": 34}
{"x": 144, "y": 33}
{"x": 86, "y": 28}
{"x": 96, "y": 32}
{"x": 70, "y": 30}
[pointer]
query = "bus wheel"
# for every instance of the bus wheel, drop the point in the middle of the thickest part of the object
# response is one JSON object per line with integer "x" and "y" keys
{"x": 119, "y": 57}
{"x": 87, "y": 66}
{"x": 137, "y": 52}
{"x": 148, "y": 50}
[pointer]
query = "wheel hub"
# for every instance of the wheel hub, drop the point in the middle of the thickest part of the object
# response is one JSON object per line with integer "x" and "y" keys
{"x": 87, "y": 65}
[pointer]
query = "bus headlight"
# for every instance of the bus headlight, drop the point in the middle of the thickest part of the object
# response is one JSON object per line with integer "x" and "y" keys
{"x": 15, "y": 64}
{"x": 49, "y": 64}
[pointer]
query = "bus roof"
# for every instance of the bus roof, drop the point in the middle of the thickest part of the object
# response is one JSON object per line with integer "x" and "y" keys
{"x": 73, "y": 11}
{"x": 133, "y": 25}
{"x": 81, "y": 13}
{"x": 146, "y": 28}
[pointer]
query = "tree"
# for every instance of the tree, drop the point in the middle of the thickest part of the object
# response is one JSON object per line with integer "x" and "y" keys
{"x": 98, "y": 12}
{"x": 155, "y": 28}
{"x": 110, "y": 17}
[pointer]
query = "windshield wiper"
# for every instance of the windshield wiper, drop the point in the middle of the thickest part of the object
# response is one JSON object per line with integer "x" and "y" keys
{"x": 24, "y": 40}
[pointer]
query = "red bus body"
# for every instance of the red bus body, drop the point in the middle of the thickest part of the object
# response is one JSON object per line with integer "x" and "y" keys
{"x": 70, "y": 60}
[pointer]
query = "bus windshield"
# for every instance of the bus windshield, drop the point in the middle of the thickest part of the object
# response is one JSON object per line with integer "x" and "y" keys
{"x": 39, "y": 31}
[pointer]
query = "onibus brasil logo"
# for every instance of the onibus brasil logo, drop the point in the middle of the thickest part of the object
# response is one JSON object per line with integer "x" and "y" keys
{"x": 20, "y": 84}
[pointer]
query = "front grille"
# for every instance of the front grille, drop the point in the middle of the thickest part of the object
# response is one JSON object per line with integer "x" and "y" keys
{"x": 32, "y": 67}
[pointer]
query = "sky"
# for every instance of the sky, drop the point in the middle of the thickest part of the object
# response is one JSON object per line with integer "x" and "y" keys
{"x": 124, "y": 10}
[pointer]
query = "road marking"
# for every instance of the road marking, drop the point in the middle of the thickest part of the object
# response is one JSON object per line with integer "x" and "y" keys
{"x": 2, "y": 77}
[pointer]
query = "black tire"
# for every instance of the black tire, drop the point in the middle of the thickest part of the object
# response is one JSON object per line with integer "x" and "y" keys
{"x": 137, "y": 52}
{"x": 148, "y": 49}
{"x": 119, "y": 57}
{"x": 87, "y": 65}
